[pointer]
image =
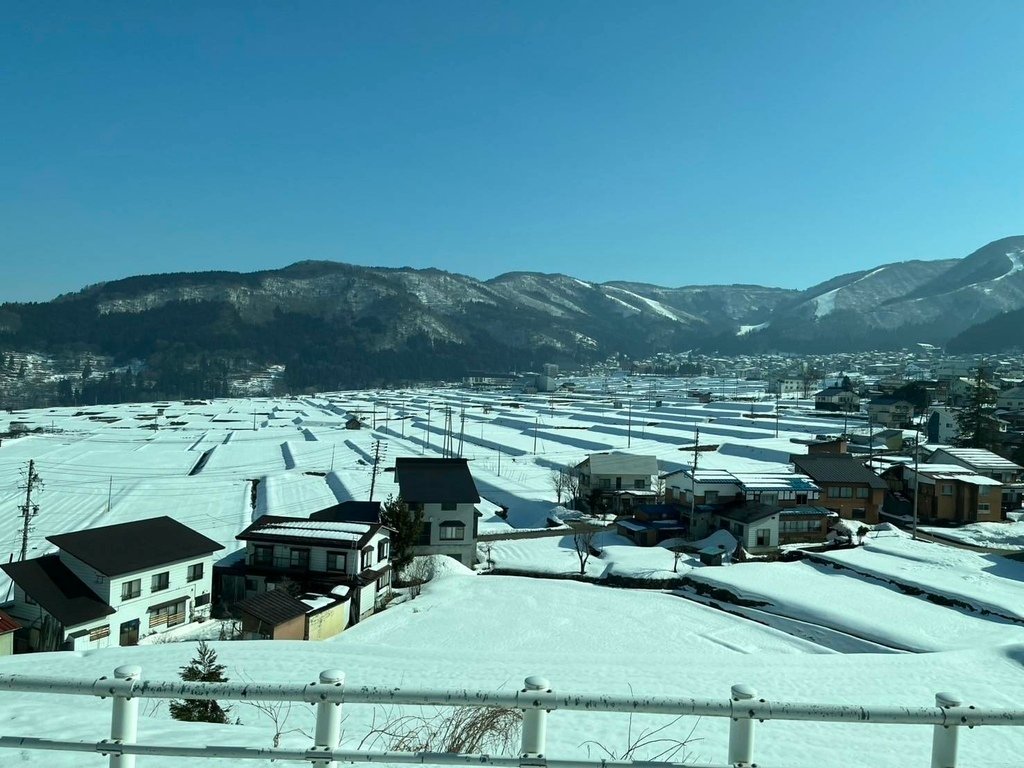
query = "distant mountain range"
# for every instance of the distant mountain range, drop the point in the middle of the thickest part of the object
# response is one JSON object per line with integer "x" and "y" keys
{"x": 337, "y": 324}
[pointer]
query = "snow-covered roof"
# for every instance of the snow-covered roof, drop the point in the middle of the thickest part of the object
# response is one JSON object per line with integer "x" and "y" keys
{"x": 775, "y": 482}
{"x": 622, "y": 464}
{"x": 979, "y": 458}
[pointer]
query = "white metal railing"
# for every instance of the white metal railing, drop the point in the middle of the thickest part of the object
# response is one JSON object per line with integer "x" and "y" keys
{"x": 536, "y": 699}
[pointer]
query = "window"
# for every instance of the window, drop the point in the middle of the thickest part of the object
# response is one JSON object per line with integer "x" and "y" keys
{"x": 639, "y": 484}
{"x": 983, "y": 507}
{"x": 424, "y": 539}
{"x": 262, "y": 555}
{"x": 29, "y": 600}
{"x": 947, "y": 489}
{"x": 170, "y": 615}
{"x": 367, "y": 557}
{"x": 99, "y": 633}
{"x": 298, "y": 558}
{"x": 800, "y": 526}
{"x": 858, "y": 513}
{"x": 984, "y": 489}
{"x": 384, "y": 581}
{"x": 801, "y": 498}
{"x": 448, "y": 506}
{"x": 195, "y": 572}
{"x": 764, "y": 536}
{"x": 337, "y": 561}
{"x": 863, "y": 493}
{"x": 606, "y": 483}
{"x": 845, "y": 492}
{"x": 710, "y": 497}
{"x": 131, "y": 589}
{"x": 160, "y": 581}
{"x": 453, "y": 530}
{"x": 383, "y": 550}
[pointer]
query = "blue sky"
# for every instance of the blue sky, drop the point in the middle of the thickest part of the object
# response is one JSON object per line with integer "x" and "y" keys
{"x": 678, "y": 143}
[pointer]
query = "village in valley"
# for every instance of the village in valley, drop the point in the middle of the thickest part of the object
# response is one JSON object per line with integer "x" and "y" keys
{"x": 783, "y": 526}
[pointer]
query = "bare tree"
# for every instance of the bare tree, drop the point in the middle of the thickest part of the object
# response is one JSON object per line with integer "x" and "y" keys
{"x": 640, "y": 746}
{"x": 659, "y": 490}
{"x": 583, "y": 543}
{"x": 278, "y": 713}
{"x": 558, "y": 477}
{"x": 460, "y": 730}
{"x": 572, "y": 485}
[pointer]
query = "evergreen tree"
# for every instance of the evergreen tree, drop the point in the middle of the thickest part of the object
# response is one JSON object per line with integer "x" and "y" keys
{"x": 975, "y": 420}
{"x": 204, "y": 669}
{"x": 406, "y": 526}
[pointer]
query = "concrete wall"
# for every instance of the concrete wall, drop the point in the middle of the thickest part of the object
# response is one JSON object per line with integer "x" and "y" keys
{"x": 328, "y": 623}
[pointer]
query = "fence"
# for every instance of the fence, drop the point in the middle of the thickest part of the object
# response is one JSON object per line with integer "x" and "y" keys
{"x": 536, "y": 699}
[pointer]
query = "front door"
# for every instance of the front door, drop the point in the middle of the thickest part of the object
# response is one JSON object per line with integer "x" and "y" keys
{"x": 130, "y": 632}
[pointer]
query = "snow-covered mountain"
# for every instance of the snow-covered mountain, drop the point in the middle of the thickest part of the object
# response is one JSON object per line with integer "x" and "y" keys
{"x": 905, "y": 301}
{"x": 337, "y": 324}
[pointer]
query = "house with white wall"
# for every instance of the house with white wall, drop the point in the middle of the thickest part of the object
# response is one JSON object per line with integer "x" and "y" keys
{"x": 338, "y": 569}
{"x": 444, "y": 491}
{"x": 618, "y": 480}
{"x": 112, "y": 585}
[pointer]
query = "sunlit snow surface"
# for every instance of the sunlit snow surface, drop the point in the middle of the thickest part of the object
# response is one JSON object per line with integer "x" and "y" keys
{"x": 473, "y": 631}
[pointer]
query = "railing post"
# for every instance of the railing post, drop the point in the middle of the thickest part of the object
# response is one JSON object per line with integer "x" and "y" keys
{"x": 535, "y": 726}
{"x": 945, "y": 737}
{"x": 124, "y": 720}
{"x": 328, "y": 717}
{"x": 741, "y": 729}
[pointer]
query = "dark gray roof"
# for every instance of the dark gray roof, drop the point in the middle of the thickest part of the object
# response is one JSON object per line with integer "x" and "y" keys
{"x": 834, "y": 392}
{"x": 61, "y": 594}
{"x": 747, "y": 513}
{"x": 837, "y": 469}
{"x": 350, "y": 512}
{"x": 114, "y": 550}
{"x": 273, "y": 607}
{"x": 433, "y": 481}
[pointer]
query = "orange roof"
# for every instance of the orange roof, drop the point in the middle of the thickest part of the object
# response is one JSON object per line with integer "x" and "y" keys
{"x": 7, "y": 624}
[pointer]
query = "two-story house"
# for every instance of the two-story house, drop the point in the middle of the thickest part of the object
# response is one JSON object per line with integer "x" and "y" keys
{"x": 891, "y": 412}
{"x": 761, "y": 509}
{"x": 112, "y": 585}
{"x": 617, "y": 480}
{"x": 950, "y": 492}
{"x": 444, "y": 491}
{"x": 988, "y": 464}
{"x": 339, "y": 569}
{"x": 836, "y": 399}
{"x": 848, "y": 488}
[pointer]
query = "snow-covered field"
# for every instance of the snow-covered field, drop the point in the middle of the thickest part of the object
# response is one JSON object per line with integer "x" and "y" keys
{"x": 1007, "y": 536}
{"x": 844, "y": 635}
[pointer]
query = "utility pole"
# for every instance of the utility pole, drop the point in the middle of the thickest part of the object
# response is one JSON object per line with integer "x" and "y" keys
{"x": 28, "y": 509}
{"x": 110, "y": 492}
{"x": 693, "y": 484}
{"x": 536, "y": 420}
{"x": 917, "y": 475}
{"x": 376, "y": 466}
{"x": 333, "y": 449}
{"x": 629, "y": 424}
{"x": 778, "y": 394}
{"x": 462, "y": 430}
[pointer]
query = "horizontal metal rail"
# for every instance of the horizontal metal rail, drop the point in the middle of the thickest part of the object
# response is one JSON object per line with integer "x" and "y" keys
{"x": 309, "y": 755}
{"x": 337, "y": 693}
{"x": 535, "y": 700}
